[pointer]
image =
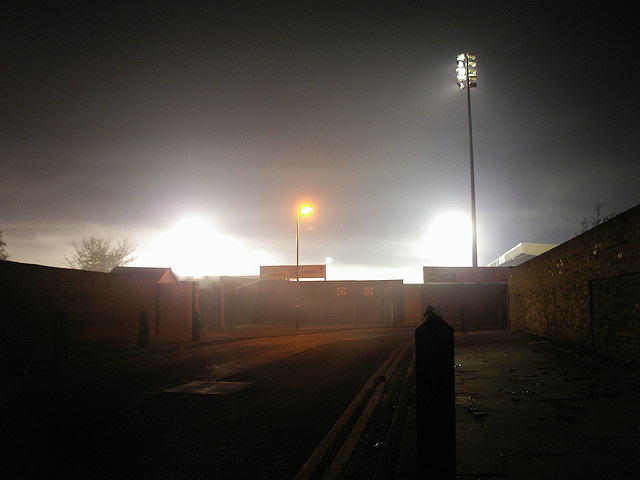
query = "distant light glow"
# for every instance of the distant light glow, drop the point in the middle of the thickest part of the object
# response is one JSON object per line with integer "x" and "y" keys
{"x": 194, "y": 247}
{"x": 448, "y": 240}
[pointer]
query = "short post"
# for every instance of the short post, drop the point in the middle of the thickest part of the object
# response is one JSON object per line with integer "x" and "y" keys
{"x": 195, "y": 326}
{"x": 60, "y": 336}
{"x": 220, "y": 319}
{"x": 435, "y": 398}
{"x": 143, "y": 329}
{"x": 463, "y": 318}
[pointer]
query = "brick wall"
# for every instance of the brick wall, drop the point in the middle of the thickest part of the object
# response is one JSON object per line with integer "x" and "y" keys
{"x": 100, "y": 309}
{"x": 413, "y": 304}
{"x": 585, "y": 291}
{"x": 331, "y": 302}
{"x": 469, "y": 306}
{"x": 465, "y": 274}
{"x": 468, "y": 298}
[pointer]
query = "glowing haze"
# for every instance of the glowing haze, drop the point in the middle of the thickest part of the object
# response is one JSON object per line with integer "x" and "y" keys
{"x": 448, "y": 240}
{"x": 194, "y": 247}
{"x": 194, "y": 129}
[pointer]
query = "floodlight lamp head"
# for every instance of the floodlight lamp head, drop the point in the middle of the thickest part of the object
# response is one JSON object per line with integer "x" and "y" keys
{"x": 466, "y": 70}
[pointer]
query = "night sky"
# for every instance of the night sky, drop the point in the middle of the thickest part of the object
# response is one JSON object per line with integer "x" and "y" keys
{"x": 195, "y": 130}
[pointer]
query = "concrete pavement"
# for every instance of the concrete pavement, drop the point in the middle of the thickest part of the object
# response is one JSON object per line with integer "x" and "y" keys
{"x": 531, "y": 409}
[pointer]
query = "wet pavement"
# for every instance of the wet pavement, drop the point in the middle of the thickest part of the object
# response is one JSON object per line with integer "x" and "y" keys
{"x": 531, "y": 409}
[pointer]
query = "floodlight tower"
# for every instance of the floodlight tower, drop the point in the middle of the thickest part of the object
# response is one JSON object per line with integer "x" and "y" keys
{"x": 467, "y": 75}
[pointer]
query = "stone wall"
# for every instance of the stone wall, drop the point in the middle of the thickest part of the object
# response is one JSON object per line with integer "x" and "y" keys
{"x": 586, "y": 291}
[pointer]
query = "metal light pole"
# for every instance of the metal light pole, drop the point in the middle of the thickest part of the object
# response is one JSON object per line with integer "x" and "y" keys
{"x": 303, "y": 210}
{"x": 467, "y": 74}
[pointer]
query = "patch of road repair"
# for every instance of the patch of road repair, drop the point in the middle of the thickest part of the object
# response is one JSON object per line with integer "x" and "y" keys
{"x": 208, "y": 387}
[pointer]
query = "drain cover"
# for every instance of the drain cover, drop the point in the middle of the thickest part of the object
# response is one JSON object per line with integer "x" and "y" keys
{"x": 205, "y": 387}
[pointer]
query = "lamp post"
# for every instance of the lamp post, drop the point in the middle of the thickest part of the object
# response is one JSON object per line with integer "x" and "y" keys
{"x": 304, "y": 210}
{"x": 467, "y": 75}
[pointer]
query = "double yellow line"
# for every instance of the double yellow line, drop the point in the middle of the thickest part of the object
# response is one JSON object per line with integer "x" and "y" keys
{"x": 372, "y": 390}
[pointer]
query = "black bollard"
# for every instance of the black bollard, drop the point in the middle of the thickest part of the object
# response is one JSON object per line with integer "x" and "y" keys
{"x": 60, "y": 336}
{"x": 195, "y": 326}
{"x": 435, "y": 398}
{"x": 143, "y": 329}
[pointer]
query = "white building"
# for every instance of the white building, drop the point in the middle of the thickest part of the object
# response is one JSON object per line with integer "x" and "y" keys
{"x": 521, "y": 253}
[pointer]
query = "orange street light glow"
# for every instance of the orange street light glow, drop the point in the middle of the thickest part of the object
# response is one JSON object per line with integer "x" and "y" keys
{"x": 306, "y": 210}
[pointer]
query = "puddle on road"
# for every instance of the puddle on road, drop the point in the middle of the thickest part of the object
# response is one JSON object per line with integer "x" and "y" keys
{"x": 206, "y": 387}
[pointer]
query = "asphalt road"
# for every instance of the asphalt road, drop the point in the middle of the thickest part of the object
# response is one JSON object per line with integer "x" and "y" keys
{"x": 242, "y": 408}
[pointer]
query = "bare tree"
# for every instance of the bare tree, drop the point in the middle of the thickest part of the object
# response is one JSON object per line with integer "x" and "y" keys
{"x": 596, "y": 219}
{"x": 3, "y": 250}
{"x": 96, "y": 254}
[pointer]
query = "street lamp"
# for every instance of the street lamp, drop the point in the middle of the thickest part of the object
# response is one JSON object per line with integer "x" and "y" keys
{"x": 466, "y": 71}
{"x": 304, "y": 210}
